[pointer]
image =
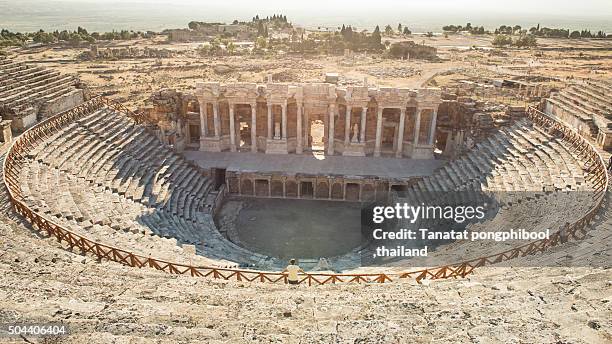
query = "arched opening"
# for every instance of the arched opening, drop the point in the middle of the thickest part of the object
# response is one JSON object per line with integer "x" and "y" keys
{"x": 193, "y": 121}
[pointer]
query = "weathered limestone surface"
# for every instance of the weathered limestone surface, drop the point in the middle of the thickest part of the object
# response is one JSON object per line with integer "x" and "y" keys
{"x": 120, "y": 185}
{"x": 289, "y": 112}
{"x": 587, "y": 107}
{"x": 105, "y": 302}
{"x": 28, "y": 93}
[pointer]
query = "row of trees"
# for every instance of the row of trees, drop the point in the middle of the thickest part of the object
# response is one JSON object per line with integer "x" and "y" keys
{"x": 316, "y": 43}
{"x": 275, "y": 18}
{"x": 348, "y": 38}
{"x": 198, "y": 25}
{"x": 518, "y": 30}
{"x": 565, "y": 33}
{"x": 81, "y": 35}
{"x": 401, "y": 29}
{"x": 8, "y": 38}
{"x": 587, "y": 34}
{"x": 277, "y": 21}
{"x": 475, "y": 30}
{"x": 548, "y": 32}
{"x": 522, "y": 41}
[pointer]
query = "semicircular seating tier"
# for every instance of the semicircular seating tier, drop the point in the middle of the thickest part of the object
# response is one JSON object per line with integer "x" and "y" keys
{"x": 29, "y": 92}
{"x": 109, "y": 179}
{"x": 537, "y": 179}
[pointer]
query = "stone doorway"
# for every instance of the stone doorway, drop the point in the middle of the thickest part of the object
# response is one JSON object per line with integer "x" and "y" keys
{"x": 352, "y": 192}
{"x": 306, "y": 190}
{"x": 243, "y": 130}
{"x": 390, "y": 131}
{"x": 316, "y": 136}
{"x": 194, "y": 133}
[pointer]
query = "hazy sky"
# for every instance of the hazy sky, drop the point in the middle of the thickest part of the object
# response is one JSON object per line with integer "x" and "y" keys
{"x": 27, "y": 15}
{"x": 543, "y": 7}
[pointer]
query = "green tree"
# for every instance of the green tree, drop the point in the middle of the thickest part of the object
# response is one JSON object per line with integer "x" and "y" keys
{"x": 575, "y": 34}
{"x": 193, "y": 25}
{"x": 261, "y": 42}
{"x": 43, "y": 37}
{"x": 501, "y": 41}
{"x": 525, "y": 41}
{"x": 74, "y": 38}
{"x": 231, "y": 48}
{"x": 388, "y": 30}
{"x": 375, "y": 39}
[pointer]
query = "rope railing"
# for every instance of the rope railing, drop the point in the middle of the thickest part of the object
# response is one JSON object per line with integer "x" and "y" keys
{"x": 23, "y": 145}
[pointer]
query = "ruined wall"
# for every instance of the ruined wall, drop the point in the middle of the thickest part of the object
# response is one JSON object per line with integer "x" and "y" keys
{"x": 62, "y": 103}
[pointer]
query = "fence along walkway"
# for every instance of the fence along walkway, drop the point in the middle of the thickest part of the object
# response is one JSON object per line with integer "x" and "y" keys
{"x": 597, "y": 175}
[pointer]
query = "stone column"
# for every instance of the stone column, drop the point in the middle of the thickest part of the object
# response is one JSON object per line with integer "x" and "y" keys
{"x": 306, "y": 127}
{"x": 400, "y": 134}
{"x": 254, "y": 127}
{"x": 379, "y": 119}
{"x": 284, "y": 120}
{"x": 364, "y": 112}
{"x": 232, "y": 128}
{"x": 347, "y": 127}
{"x": 330, "y": 136}
{"x": 203, "y": 119}
{"x": 432, "y": 129}
{"x": 299, "y": 149}
{"x": 217, "y": 123}
{"x": 269, "y": 121}
{"x": 417, "y": 128}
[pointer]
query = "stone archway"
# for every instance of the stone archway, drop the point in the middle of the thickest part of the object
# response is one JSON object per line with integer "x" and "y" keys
{"x": 193, "y": 130}
{"x": 243, "y": 123}
{"x": 316, "y": 135}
